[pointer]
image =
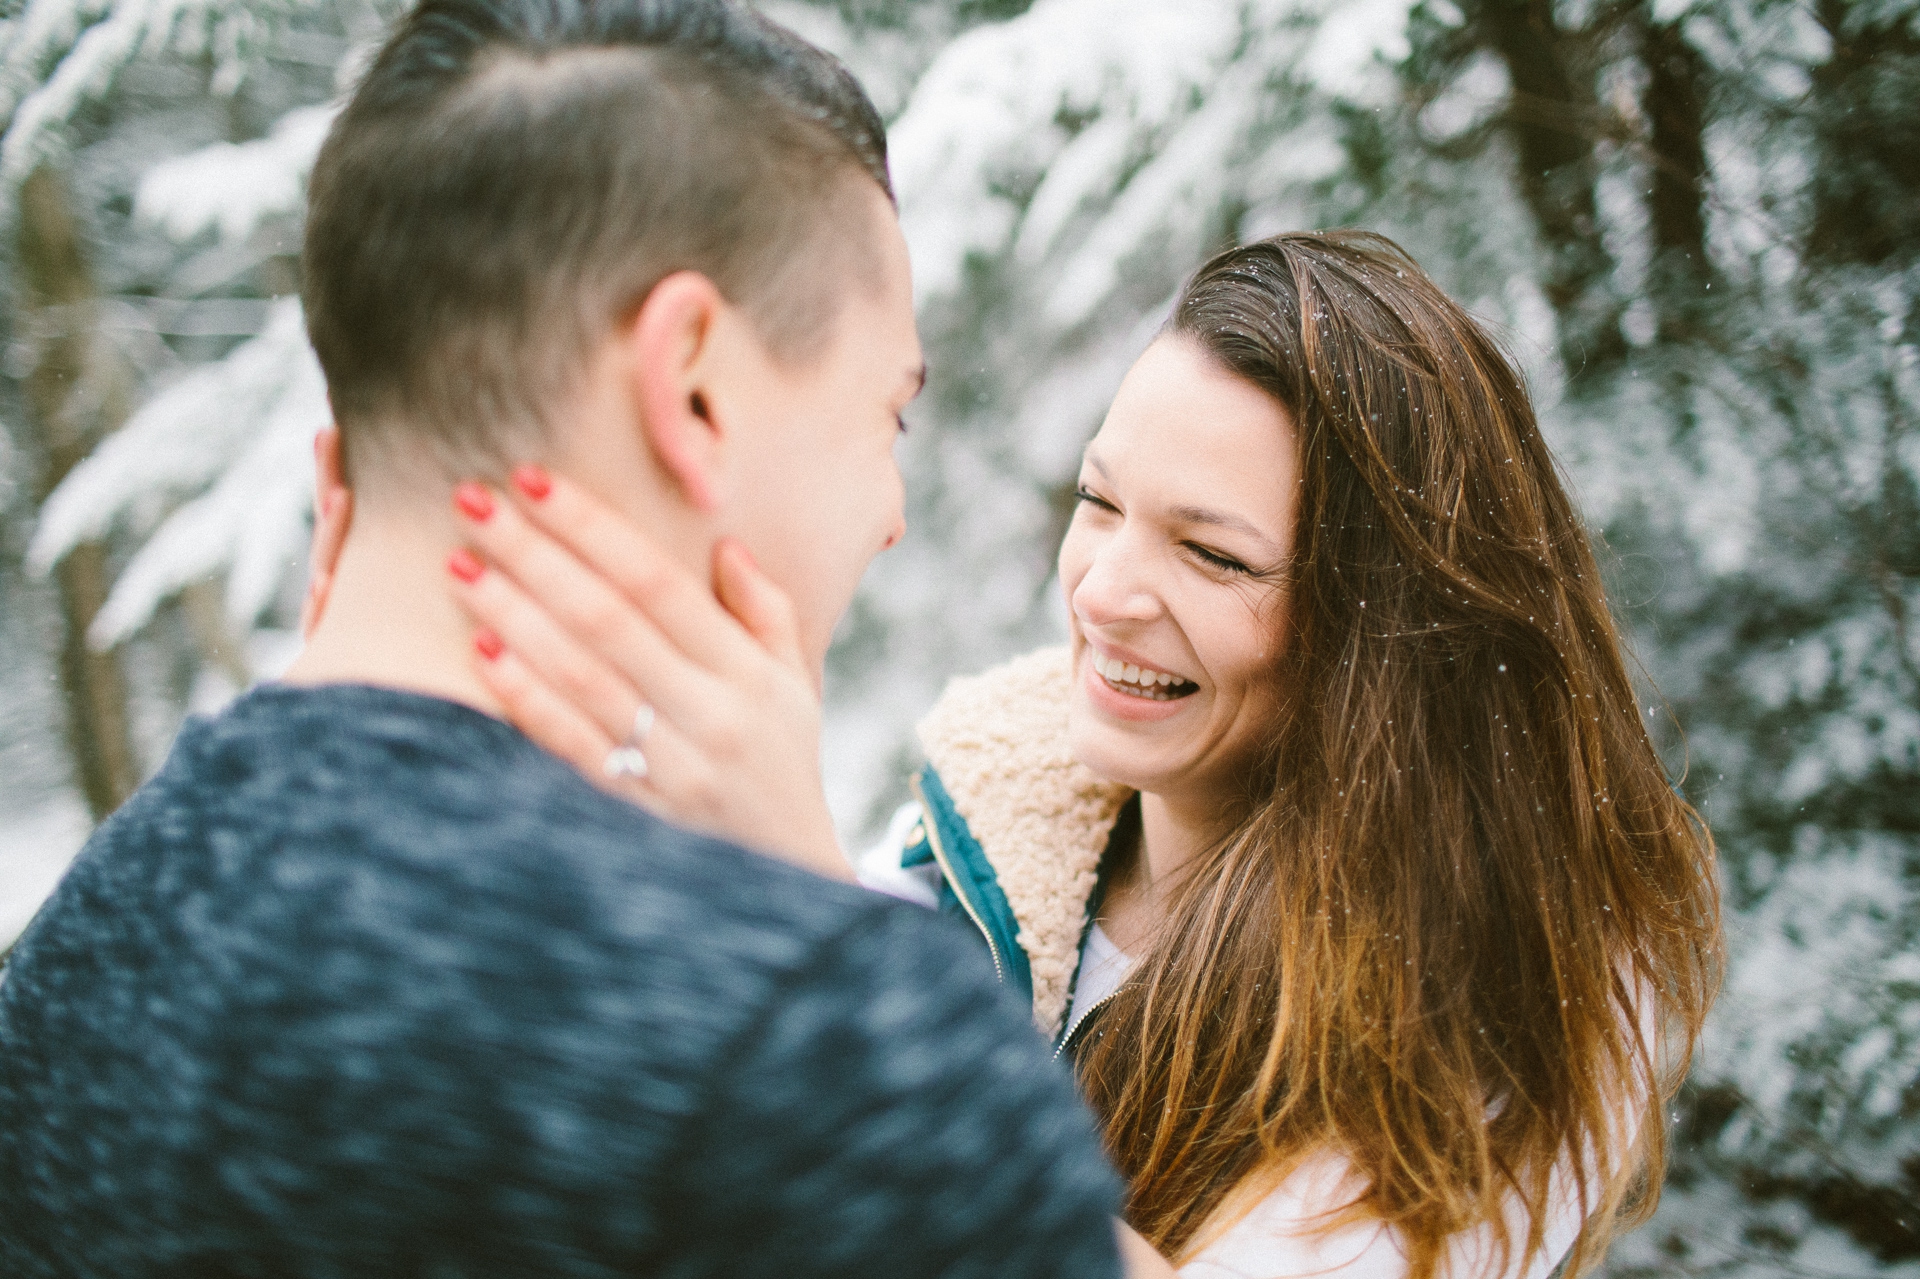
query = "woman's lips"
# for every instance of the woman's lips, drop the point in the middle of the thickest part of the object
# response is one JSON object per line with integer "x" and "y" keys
{"x": 1138, "y": 681}
{"x": 1128, "y": 700}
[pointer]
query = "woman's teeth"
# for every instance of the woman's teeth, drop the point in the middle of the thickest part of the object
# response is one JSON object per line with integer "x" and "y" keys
{"x": 1139, "y": 682}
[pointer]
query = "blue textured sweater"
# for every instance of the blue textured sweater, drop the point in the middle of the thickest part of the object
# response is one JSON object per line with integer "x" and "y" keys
{"x": 364, "y": 983}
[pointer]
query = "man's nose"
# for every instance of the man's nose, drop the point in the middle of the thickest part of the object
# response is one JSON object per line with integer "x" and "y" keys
{"x": 898, "y": 495}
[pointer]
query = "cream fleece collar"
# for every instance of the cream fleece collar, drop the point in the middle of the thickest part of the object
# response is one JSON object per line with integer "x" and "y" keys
{"x": 999, "y": 743}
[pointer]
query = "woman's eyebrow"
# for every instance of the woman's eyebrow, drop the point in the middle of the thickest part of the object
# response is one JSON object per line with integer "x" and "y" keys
{"x": 1198, "y": 514}
{"x": 1220, "y": 519}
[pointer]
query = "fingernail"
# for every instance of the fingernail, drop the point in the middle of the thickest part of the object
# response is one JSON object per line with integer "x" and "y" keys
{"x": 474, "y": 501}
{"x": 533, "y": 480}
{"x": 464, "y": 566}
{"x": 488, "y": 644}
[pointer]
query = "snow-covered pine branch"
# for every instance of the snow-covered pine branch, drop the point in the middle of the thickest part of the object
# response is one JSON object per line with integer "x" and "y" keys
{"x": 232, "y": 187}
{"x": 235, "y": 439}
{"x": 230, "y": 441}
{"x": 58, "y": 55}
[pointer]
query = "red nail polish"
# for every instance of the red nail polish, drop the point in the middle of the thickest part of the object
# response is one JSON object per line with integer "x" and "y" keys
{"x": 533, "y": 480}
{"x": 488, "y": 644}
{"x": 474, "y": 501}
{"x": 464, "y": 566}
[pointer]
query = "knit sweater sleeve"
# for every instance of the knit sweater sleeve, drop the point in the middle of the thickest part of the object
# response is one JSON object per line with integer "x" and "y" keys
{"x": 907, "y": 1124}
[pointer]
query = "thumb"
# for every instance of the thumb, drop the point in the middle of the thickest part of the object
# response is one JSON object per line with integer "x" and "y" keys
{"x": 758, "y": 604}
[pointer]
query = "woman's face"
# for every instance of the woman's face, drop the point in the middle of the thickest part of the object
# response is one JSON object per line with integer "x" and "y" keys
{"x": 1185, "y": 516}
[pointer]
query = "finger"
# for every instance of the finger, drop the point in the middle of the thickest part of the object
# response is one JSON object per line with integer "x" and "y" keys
{"x": 678, "y": 602}
{"x": 556, "y": 725}
{"x": 531, "y": 706}
{"x": 543, "y": 595}
{"x": 677, "y": 781}
{"x": 595, "y": 687}
{"x": 762, "y": 607}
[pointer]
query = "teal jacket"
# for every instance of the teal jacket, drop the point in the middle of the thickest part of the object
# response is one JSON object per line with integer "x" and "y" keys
{"x": 1015, "y": 825}
{"x": 969, "y": 887}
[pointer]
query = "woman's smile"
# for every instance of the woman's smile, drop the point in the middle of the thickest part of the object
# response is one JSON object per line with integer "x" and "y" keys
{"x": 1127, "y": 691}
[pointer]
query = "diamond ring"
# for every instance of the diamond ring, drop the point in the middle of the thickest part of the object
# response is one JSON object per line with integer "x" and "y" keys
{"x": 625, "y": 760}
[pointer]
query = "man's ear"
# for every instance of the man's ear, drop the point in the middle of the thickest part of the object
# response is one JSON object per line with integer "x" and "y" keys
{"x": 332, "y": 517}
{"x": 673, "y": 342}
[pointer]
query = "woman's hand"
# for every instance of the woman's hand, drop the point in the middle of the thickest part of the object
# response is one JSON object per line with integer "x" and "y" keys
{"x": 621, "y": 662}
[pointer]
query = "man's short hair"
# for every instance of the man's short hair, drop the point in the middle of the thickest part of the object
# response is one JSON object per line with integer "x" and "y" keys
{"x": 512, "y": 178}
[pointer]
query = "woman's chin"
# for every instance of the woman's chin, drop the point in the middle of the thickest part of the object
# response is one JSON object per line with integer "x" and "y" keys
{"x": 1122, "y": 753}
{"x": 1103, "y": 765}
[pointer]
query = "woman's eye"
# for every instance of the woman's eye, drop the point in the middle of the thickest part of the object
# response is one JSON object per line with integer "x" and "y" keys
{"x": 900, "y": 420}
{"x": 1216, "y": 560}
{"x": 1085, "y": 494}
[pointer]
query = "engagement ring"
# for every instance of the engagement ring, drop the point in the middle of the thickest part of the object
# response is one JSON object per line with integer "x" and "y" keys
{"x": 625, "y": 760}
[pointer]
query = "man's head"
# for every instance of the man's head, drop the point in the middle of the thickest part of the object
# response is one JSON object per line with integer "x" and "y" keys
{"x": 648, "y": 241}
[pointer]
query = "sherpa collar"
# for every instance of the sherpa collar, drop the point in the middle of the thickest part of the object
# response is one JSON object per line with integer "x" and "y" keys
{"x": 999, "y": 743}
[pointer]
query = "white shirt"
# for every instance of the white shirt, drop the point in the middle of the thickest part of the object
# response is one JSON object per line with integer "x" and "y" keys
{"x": 1103, "y": 967}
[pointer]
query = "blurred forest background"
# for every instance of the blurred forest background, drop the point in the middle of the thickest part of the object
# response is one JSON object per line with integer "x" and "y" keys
{"x": 1696, "y": 223}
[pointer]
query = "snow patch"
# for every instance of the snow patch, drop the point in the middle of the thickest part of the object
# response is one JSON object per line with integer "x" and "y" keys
{"x": 237, "y": 436}
{"x": 35, "y": 850}
{"x": 233, "y": 187}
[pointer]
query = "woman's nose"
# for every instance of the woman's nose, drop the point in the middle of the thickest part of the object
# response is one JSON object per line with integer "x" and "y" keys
{"x": 1117, "y": 588}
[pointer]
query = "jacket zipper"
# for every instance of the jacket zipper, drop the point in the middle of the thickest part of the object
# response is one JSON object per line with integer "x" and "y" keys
{"x": 953, "y": 880}
{"x": 1081, "y": 1020}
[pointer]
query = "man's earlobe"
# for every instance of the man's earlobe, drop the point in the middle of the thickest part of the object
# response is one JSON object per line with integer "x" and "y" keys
{"x": 332, "y": 518}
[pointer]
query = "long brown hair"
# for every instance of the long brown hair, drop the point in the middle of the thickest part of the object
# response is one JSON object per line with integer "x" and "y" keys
{"x": 1468, "y": 932}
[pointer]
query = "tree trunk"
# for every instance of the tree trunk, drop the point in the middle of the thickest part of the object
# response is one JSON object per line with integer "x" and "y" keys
{"x": 78, "y": 391}
{"x": 1675, "y": 106}
{"x": 1554, "y": 120}
{"x": 1866, "y": 139}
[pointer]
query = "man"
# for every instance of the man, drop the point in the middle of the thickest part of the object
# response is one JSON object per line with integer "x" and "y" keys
{"x": 364, "y": 983}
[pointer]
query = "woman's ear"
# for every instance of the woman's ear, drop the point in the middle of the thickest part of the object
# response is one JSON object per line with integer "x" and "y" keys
{"x": 332, "y": 517}
{"x": 673, "y": 343}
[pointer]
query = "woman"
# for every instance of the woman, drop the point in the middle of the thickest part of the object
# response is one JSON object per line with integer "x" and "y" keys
{"x": 1333, "y": 848}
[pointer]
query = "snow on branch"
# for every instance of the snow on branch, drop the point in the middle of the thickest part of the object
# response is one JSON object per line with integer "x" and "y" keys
{"x": 1020, "y": 97}
{"x": 58, "y": 55}
{"x": 233, "y": 187}
{"x": 237, "y": 433}
{"x": 1085, "y": 132}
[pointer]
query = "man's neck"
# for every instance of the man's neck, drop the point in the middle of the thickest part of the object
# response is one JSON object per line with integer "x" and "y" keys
{"x": 390, "y": 619}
